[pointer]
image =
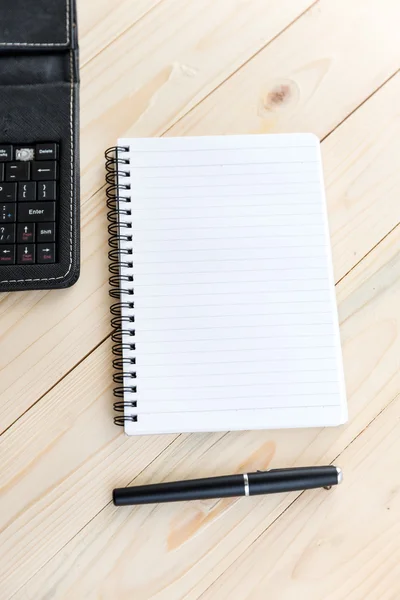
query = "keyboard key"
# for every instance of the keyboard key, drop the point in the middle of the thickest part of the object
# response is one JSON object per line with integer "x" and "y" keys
{"x": 26, "y": 254}
{"x": 25, "y": 233}
{"x": 28, "y": 210}
{"x": 7, "y": 255}
{"x": 6, "y": 153}
{"x": 46, "y": 151}
{"x": 46, "y": 232}
{"x": 24, "y": 153}
{"x": 46, "y": 190}
{"x": 27, "y": 191}
{"x": 31, "y": 212}
{"x": 7, "y": 234}
{"x": 7, "y": 213}
{"x": 46, "y": 253}
{"x": 8, "y": 192}
{"x": 43, "y": 171}
{"x": 17, "y": 171}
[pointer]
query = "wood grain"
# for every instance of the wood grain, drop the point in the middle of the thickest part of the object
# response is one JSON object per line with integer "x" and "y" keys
{"x": 317, "y": 548}
{"x": 323, "y": 65}
{"x": 101, "y": 23}
{"x": 100, "y": 26}
{"x": 165, "y": 64}
{"x": 155, "y": 67}
{"x": 48, "y": 333}
{"x": 202, "y": 534}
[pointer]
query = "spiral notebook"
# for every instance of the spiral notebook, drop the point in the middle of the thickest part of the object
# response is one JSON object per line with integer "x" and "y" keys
{"x": 225, "y": 314}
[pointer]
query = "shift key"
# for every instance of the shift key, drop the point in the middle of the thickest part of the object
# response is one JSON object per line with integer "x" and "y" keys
{"x": 29, "y": 212}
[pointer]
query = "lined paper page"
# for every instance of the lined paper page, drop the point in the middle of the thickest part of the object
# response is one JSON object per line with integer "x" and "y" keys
{"x": 234, "y": 306}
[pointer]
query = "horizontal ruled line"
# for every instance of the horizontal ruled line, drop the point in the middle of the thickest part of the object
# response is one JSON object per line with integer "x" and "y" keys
{"x": 167, "y": 262}
{"x": 251, "y": 237}
{"x": 236, "y": 149}
{"x": 236, "y": 385}
{"x": 235, "y": 410}
{"x": 280, "y": 269}
{"x": 275, "y": 394}
{"x": 142, "y": 285}
{"x": 263, "y": 194}
{"x": 139, "y": 308}
{"x": 268, "y": 337}
{"x": 229, "y": 248}
{"x": 159, "y": 187}
{"x": 145, "y": 208}
{"x": 246, "y": 303}
{"x": 236, "y": 373}
{"x": 223, "y": 216}
{"x": 218, "y": 227}
{"x": 237, "y": 362}
{"x": 230, "y": 293}
{"x": 225, "y": 165}
{"x": 138, "y": 331}
{"x": 326, "y": 312}
{"x": 222, "y": 174}
{"x": 142, "y": 353}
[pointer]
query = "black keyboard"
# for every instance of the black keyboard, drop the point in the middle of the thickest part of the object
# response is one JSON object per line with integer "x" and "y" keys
{"x": 28, "y": 203}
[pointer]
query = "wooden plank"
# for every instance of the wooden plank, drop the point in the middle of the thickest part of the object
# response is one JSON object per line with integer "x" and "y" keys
{"x": 295, "y": 83}
{"x": 100, "y": 24}
{"x": 54, "y": 486}
{"x": 362, "y": 192}
{"x": 46, "y": 334}
{"x": 317, "y": 551}
{"x": 100, "y": 27}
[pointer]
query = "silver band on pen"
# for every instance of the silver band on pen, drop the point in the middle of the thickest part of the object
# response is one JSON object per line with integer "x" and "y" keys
{"x": 246, "y": 484}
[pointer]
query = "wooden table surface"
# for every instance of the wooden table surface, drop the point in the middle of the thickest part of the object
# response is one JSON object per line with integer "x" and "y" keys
{"x": 180, "y": 67}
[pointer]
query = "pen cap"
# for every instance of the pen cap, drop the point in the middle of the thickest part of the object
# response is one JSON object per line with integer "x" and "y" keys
{"x": 295, "y": 479}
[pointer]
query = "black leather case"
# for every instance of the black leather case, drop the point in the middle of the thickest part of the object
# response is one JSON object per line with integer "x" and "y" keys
{"x": 39, "y": 101}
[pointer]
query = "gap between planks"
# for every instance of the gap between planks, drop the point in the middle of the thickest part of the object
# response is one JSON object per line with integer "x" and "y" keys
{"x": 114, "y": 39}
{"x": 247, "y": 60}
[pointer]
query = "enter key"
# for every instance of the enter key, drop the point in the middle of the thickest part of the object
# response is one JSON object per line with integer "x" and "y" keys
{"x": 29, "y": 212}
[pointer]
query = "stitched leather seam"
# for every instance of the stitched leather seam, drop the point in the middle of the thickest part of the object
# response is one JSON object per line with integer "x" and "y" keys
{"x": 40, "y": 44}
{"x": 71, "y": 121}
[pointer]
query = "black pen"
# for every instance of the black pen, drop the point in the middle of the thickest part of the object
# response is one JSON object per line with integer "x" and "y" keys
{"x": 228, "y": 486}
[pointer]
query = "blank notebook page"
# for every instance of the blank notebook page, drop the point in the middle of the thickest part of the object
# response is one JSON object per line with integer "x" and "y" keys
{"x": 235, "y": 321}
